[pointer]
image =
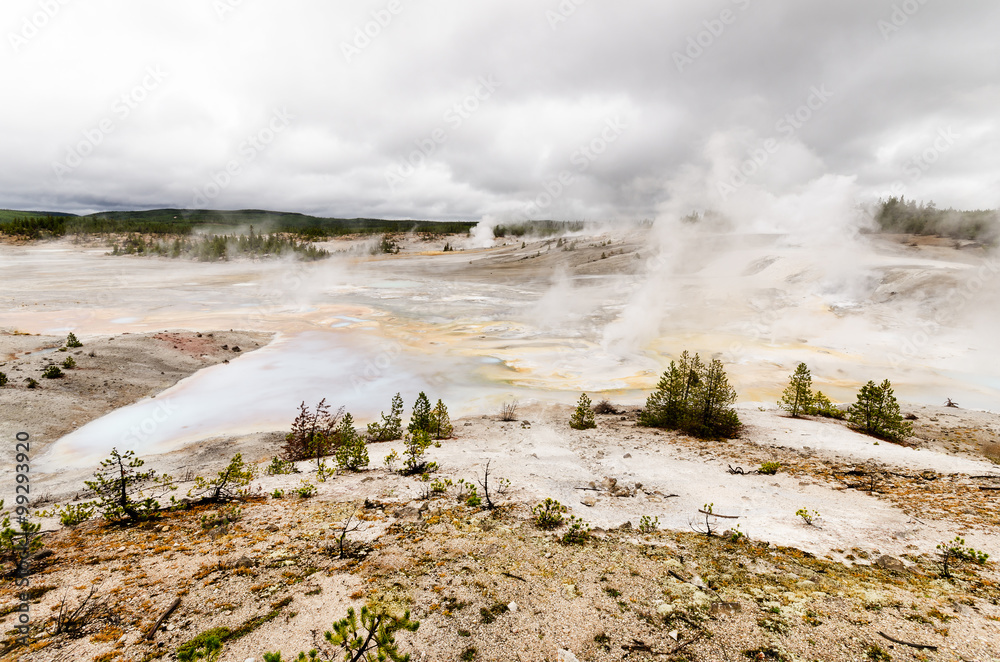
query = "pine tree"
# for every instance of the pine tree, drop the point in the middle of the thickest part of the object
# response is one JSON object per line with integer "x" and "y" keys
{"x": 441, "y": 426}
{"x": 391, "y": 427}
{"x": 119, "y": 485}
{"x": 694, "y": 398}
{"x": 313, "y": 433}
{"x": 798, "y": 397}
{"x": 714, "y": 398}
{"x": 821, "y": 406}
{"x": 420, "y": 419}
{"x": 352, "y": 452}
{"x": 876, "y": 412}
{"x": 583, "y": 417}
{"x": 671, "y": 404}
{"x": 72, "y": 341}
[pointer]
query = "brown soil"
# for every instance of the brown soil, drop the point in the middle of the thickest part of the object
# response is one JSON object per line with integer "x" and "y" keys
{"x": 110, "y": 372}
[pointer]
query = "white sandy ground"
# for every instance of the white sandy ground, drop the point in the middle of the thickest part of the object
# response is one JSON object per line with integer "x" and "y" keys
{"x": 548, "y": 459}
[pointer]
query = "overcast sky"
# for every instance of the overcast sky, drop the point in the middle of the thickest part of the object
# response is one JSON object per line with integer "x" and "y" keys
{"x": 139, "y": 104}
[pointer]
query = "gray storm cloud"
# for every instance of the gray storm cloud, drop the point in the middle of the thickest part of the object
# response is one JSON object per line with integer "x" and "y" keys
{"x": 390, "y": 115}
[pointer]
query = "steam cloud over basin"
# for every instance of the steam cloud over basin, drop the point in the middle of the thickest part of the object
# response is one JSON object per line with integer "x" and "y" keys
{"x": 480, "y": 326}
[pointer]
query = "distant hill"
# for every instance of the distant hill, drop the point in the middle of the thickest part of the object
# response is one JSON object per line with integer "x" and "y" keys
{"x": 37, "y": 224}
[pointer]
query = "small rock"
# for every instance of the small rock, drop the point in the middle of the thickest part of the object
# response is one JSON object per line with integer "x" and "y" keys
{"x": 589, "y": 501}
{"x": 627, "y": 455}
{"x": 236, "y": 348}
{"x": 121, "y": 549}
{"x": 890, "y": 563}
{"x": 665, "y": 610}
{"x": 272, "y": 528}
{"x": 244, "y": 562}
{"x": 170, "y": 628}
{"x": 225, "y": 347}
{"x": 673, "y": 634}
{"x": 566, "y": 656}
{"x": 407, "y": 512}
{"x": 512, "y": 607}
{"x": 468, "y": 424}
{"x": 727, "y": 608}
{"x": 627, "y": 526}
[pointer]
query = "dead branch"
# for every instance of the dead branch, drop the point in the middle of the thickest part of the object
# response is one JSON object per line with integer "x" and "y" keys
{"x": 907, "y": 643}
{"x": 704, "y": 512}
{"x": 512, "y": 576}
{"x": 156, "y": 626}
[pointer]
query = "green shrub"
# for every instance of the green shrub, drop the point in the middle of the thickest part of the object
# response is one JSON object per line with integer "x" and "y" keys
{"x": 3, "y": 379}
{"x": 823, "y": 407}
{"x": 52, "y": 372}
{"x": 71, "y": 341}
{"x": 549, "y": 514}
{"x": 232, "y": 483}
{"x": 583, "y": 417}
{"x": 277, "y": 494}
{"x": 69, "y": 363}
{"x": 769, "y": 468}
{"x": 222, "y": 518}
{"x": 578, "y": 532}
{"x": 876, "y": 653}
{"x": 808, "y": 516}
{"x": 32, "y": 383}
{"x": 279, "y": 467}
{"x": 417, "y": 444}
{"x": 73, "y": 514}
{"x": 306, "y": 490}
{"x": 955, "y": 553}
{"x": 390, "y": 460}
{"x": 206, "y": 646}
{"x": 371, "y": 637}
{"x": 16, "y": 544}
{"x": 647, "y": 525}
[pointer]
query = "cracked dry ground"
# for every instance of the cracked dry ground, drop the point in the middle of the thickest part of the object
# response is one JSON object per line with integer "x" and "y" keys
{"x": 491, "y": 586}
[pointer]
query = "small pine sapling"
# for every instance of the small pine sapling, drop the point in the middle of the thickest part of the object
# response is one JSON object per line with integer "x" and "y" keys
{"x": 808, "y": 516}
{"x": 121, "y": 488}
{"x": 549, "y": 514}
{"x": 352, "y": 451}
{"x": 583, "y": 417}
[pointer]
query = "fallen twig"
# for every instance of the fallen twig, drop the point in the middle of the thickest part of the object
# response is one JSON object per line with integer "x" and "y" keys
{"x": 907, "y": 643}
{"x": 703, "y": 512}
{"x": 738, "y": 471}
{"x": 156, "y": 626}
{"x": 512, "y": 576}
{"x": 989, "y": 487}
{"x": 591, "y": 489}
{"x": 638, "y": 646}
